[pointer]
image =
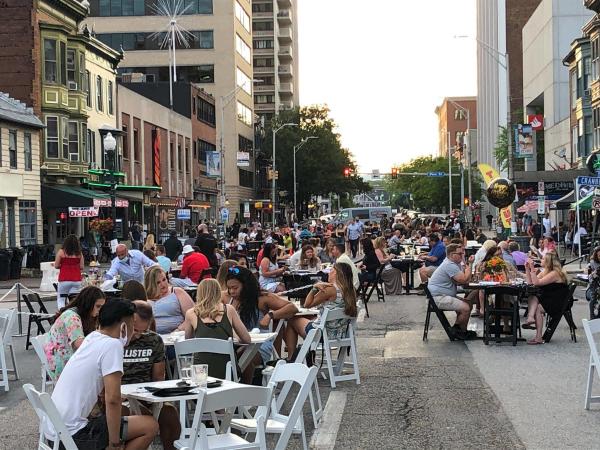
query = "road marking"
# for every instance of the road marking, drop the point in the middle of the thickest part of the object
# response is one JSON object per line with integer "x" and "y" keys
{"x": 325, "y": 436}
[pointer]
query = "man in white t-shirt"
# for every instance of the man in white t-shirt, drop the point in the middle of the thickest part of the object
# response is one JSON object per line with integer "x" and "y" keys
{"x": 547, "y": 225}
{"x": 339, "y": 253}
{"x": 96, "y": 368}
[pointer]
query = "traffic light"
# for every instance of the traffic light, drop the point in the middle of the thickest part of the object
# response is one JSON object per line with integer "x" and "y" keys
{"x": 466, "y": 201}
{"x": 394, "y": 173}
{"x": 346, "y": 172}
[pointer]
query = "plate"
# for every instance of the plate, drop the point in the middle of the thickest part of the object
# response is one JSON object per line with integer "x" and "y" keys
{"x": 172, "y": 391}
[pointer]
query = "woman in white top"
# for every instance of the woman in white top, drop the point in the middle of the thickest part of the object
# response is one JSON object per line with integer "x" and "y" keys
{"x": 270, "y": 273}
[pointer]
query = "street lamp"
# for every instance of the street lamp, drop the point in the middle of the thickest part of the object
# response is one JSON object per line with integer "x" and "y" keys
{"x": 274, "y": 181}
{"x": 110, "y": 146}
{"x": 468, "y": 160}
{"x": 296, "y": 148}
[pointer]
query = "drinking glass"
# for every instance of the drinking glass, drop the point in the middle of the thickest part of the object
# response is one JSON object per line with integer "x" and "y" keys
{"x": 185, "y": 363}
{"x": 200, "y": 374}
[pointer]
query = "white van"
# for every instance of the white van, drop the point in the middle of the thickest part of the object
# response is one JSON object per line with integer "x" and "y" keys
{"x": 374, "y": 214}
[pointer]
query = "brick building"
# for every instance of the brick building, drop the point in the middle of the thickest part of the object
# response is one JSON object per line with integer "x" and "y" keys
{"x": 452, "y": 119}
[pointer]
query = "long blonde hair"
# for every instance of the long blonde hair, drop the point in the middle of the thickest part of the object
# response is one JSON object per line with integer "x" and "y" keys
{"x": 222, "y": 273}
{"x": 149, "y": 245}
{"x": 381, "y": 244}
{"x": 151, "y": 281}
{"x": 208, "y": 299}
{"x": 344, "y": 280}
{"x": 551, "y": 263}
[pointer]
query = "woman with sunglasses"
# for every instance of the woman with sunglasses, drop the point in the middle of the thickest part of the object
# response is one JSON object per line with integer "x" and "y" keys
{"x": 257, "y": 309}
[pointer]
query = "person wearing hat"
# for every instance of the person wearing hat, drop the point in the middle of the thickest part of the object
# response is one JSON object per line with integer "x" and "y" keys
{"x": 194, "y": 264}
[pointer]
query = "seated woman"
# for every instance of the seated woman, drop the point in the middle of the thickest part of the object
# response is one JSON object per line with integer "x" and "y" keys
{"x": 75, "y": 321}
{"x": 169, "y": 304}
{"x": 551, "y": 299}
{"x": 391, "y": 276}
{"x": 370, "y": 262}
{"x": 308, "y": 259}
{"x": 326, "y": 255}
{"x": 242, "y": 260}
{"x": 134, "y": 290}
{"x": 257, "y": 308}
{"x": 492, "y": 251}
{"x": 270, "y": 273}
{"x": 210, "y": 318}
{"x": 337, "y": 293}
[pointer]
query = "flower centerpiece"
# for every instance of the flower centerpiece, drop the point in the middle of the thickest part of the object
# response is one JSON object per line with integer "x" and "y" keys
{"x": 495, "y": 270}
{"x": 101, "y": 225}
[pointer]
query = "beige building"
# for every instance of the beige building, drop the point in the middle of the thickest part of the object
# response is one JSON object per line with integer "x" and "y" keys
{"x": 20, "y": 192}
{"x": 219, "y": 60}
{"x": 275, "y": 44}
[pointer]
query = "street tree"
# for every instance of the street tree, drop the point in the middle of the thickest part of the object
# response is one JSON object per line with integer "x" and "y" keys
{"x": 320, "y": 163}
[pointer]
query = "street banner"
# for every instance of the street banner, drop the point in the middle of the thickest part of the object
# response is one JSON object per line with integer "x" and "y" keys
{"x": 213, "y": 164}
{"x": 489, "y": 174}
{"x": 107, "y": 203}
{"x": 524, "y": 141}
{"x": 156, "y": 157}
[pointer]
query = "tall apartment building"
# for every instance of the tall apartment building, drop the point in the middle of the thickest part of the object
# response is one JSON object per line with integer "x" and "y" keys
{"x": 453, "y": 120}
{"x": 219, "y": 59}
{"x": 275, "y": 43}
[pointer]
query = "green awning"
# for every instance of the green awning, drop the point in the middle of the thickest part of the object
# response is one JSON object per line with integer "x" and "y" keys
{"x": 63, "y": 196}
{"x": 584, "y": 203}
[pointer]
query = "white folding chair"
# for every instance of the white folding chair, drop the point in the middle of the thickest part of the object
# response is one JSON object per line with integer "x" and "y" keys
{"x": 342, "y": 344}
{"x": 278, "y": 423}
{"x": 206, "y": 345}
{"x": 310, "y": 343}
{"x": 7, "y": 321}
{"x": 39, "y": 342}
{"x": 592, "y": 327}
{"x": 228, "y": 399}
{"x": 46, "y": 411}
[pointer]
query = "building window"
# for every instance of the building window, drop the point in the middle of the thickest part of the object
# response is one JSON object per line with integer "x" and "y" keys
{"x": 588, "y": 135}
{"x": 262, "y": 7}
{"x": 204, "y": 147}
{"x": 90, "y": 147}
{"x": 204, "y": 39}
{"x": 595, "y": 59}
{"x": 205, "y": 111}
{"x": 242, "y": 16}
{"x": 244, "y": 144}
{"x": 264, "y": 62}
{"x": 63, "y": 63}
{"x": 83, "y": 141}
{"x": 50, "y": 69}
{"x": 73, "y": 141}
{"x": 52, "y": 137}
{"x": 125, "y": 145}
{"x": 136, "y": 145}
{"x": 71, "y": 68}
{"x": 27, "y": 222}
{"x": 99, "y": 104}
{"x": 198, "y": 6}
{"x": 244, "y": 114}
{"x": 242, "y": 48}
{"x": 110, "y": 98}
{"x": 82, "y": 72}
{"x": 263, "y": 43}
{"x": 0, "y": 166}
{"x": 262, "y": 99}
{"x": 459, "y": 114}
{"x": 27, "y": 150}
{"x": 179, "y": 158}
{"x": 12, "y": 148}
{"x": 587, "y": 71}
{"x": 246, "y": 179}
{"x": 151, "y": 41}
{"x": 263, "y": 26}
{"x": 65, "y": 137}
{"x": 243, "y": 81}
{"x": 88, "y": 89}
{"x": 573, "y": 89}
{"x": 193, "y": 74}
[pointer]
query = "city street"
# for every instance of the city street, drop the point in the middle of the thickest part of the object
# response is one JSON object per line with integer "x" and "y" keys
{"x": 437, "y": 394}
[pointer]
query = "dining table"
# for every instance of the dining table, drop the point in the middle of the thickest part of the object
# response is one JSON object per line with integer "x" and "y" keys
{"x": 297, "y": 278}
{"x": 408, "y": 265}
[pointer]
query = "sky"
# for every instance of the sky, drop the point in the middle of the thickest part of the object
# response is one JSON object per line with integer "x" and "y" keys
{"x": 382, "y": 67}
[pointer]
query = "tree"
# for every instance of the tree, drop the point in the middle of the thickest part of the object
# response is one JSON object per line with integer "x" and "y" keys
{"x": 320, "y": 162}
{"x": 501, "y": 152}
{"x": 430, "y": 194}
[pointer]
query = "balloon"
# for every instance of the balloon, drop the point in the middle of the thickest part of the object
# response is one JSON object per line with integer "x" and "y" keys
{"x": 593, "y": 163}
{"x": 501, "y": 192}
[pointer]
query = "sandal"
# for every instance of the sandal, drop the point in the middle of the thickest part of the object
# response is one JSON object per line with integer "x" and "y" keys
{"x": 534, "y": 342}
{"x": 528, "y": 326}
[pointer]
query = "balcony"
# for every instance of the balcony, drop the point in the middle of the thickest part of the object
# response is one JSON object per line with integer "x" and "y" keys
{"x": 285, "y": 17}
{"x": 284, "y": 3}
{"x": 264, "y": 107}
{"x": 285, "y": 71}
{"x": 285, "y": 34}
{"x": 264, "y": 88}
{"x": 286, "y": 88}
{"x": 260, "y": 34}
{"x": 262, "y": 15}
{"x": 286, "y": 105}
{"x": 286, "y": 53}
{"x": 264, "y": 70}
{"x": 594, "y": 5}
{"x": 263, "y": 52}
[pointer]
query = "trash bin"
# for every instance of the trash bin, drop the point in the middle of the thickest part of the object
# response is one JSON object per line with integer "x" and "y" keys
{"x": 5, "y": 260}
{"x": 33, "y": 256}
{"x": 16, "y": 262}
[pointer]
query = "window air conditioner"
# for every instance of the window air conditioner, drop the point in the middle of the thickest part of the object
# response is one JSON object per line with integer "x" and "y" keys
{"x": 72, "y": 85}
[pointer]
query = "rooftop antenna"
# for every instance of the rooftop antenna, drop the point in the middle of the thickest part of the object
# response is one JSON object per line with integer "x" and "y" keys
{"x": 171, "y": 35}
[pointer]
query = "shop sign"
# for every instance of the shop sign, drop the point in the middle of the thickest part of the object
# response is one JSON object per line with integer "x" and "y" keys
{"x": 246, "y": 210}
{"x": 107, "y": 203}
{"x": 83, "y": 211}
{"x": 243, "y": 159}
{"x": 536, "y": 121}
{"x": 167, "y": 218}
{"x": 184, "y": 214}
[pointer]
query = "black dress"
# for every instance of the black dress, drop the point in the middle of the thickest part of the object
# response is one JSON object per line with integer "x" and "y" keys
{"x": 554, "y": 297}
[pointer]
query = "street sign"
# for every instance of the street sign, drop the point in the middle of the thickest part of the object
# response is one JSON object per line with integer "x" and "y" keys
{"x": 588, "y": 181}
{"x": 541, "y": 204}
{"x": 436, "y": 174}
{"x": 184, "y": 214}
{"x": 224, "y": 214}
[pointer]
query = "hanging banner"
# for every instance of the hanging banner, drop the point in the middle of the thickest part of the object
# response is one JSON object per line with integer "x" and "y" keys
{"x": 524, "y": 141}
{"x": 156, "y": 156}
{"x": 83, "y": 211}
{"x": 536, "y": 121}
{"x": 213, "y": 164}
{"x": 489, "y": 174}
{"x": 243, "y": 159}
{"x": 107, "y": 203}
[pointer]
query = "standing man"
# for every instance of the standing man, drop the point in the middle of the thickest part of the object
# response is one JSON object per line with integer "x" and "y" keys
{"x": 136, "y": 236}
{"x": 354, "y": 233}
{"x": 129, "y": 265}
{"x": 173, "y": 246}
{"x": 489, "y": 218}
{"x": 547, "y": 225}
{"x": 384, "y": 223}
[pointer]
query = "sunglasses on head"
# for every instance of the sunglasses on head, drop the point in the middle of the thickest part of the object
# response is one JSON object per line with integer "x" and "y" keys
{"x": 234, "y": 269}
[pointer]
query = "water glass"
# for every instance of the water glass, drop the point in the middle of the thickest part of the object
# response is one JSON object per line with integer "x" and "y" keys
{"x": 185, "y": 366}
{"x": 200, "y": 374}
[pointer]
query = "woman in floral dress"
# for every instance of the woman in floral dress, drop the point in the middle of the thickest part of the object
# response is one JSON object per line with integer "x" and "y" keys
{"x": 74, "y": 322}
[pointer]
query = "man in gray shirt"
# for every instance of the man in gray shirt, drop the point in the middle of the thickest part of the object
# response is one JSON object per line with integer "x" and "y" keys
{"x": 443, "y": 283}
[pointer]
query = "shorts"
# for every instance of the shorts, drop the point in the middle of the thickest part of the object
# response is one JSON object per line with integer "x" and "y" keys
{"x": 448, "y": 303}
{"x": 429, "y": 270}
{"x": 94, "y": 436}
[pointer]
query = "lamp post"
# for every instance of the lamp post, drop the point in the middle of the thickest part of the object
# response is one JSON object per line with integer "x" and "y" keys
{"x": 468, "y": 158}
{"x": 274, "y": 181}
{"x": 296, "y": 148}
{"x": 110, "y": 146}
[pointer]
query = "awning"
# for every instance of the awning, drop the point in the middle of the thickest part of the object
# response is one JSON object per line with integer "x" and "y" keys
{"x": 199, "y": 204}
{"x": 563, "y": 202}
{"x": 531, "y": 205}
{"x": 585, "y": 203}
{"x": 63, "y": 196}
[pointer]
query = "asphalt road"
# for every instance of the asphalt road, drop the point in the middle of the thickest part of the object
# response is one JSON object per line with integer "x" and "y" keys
{"x": 431, "y": 395}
